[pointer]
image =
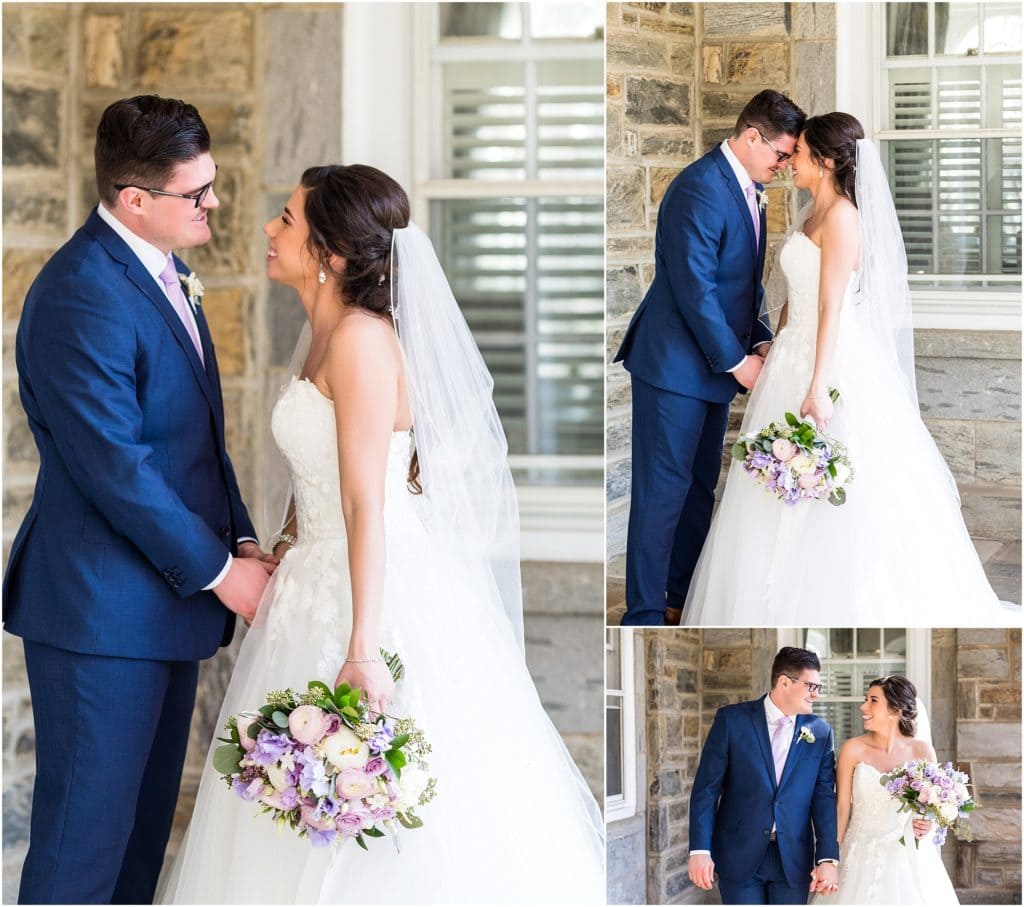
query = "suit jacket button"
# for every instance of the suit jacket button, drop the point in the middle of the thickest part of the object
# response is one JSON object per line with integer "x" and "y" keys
{"x": 224, "y": 530}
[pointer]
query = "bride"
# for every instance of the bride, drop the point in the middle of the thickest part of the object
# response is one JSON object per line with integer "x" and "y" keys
{"x": 874, "y": 867}
{"x": 404, "y": 536}
{"x": 840, "y": 291}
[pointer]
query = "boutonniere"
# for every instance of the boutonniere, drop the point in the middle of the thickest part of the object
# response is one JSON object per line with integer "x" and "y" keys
{"x": 762, "y": 200}
{"x": 193, "y": 289}
{"x": 806, "y": 736}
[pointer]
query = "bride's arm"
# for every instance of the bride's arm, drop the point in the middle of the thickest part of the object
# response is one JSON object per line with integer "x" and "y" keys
{"x": 840, "y": 250}
{"x": 848, "y": 757}
{"x": 362, "y": 374}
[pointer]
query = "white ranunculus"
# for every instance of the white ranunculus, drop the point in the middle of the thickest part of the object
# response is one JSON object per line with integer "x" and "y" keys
{"x": 276, "y": 777}
{"x": 343, "y": 749}
{"x": 802, "y": 464}
{"x": 410, "y": 786}
{"x": 948, "y": 811}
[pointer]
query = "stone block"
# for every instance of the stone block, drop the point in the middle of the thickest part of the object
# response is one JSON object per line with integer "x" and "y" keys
{"x": 988, "y": 775}
{"x": 34, "y": 209}
{"x": 938, "y": 344}
{"x": 634, "y": 52}
{"x": 613, "y": 340}
{"x": 613, "y": 86}
{"x": 20, "y": 268}
{"x": 178, "y": 51}
{"x": 987, "y": 389}
{"x": 625, "y": 197}
{"x": 613, "y": 135}
{"x": 996, "y": 824}
{"x": 710, "y": 137}
{"x": 660, "y": 178}
{"x": 681, "y": 60}
{"x": 104, "y": 50}
{"x": 991, "y": 511}
{"x": 228, "y": 312}
{"x": 617, "y": 479}
{"x": 661, "y": 24}
{"x": 657, "y": 830}
{"x": 569, "y": 680}
{"x": 31, "y": 129}
{"x": 985, "y": 663}
{"x": 657, "y": 102}
{"x": 956, "y": 441}
{"x": 998, "y": 452}
{"x": 562, "y": 588}
{"x": 17, "y": 812}
{"x": 814, "y": 77}
{"x": 629, "y": 248}
{"x": 618, "y": 390}
{"x": 587, "y": 751}
{"x": 758, "y": 63}
{"x": 676, "y": 884}
{"x": 982, "y": 636}
{"x": 753, "y": 19}
{"x": 37, "y": 37}
{"x": 14, "y": 675}
{"x": 777, "y": 212}
{"x": 17, "y": 500}
{"x": 982, "y": 740}
{"x": 681, "y": 9}
{"x": 815, "y": 20}
{"x": 676, "y": 144}
{"x": 19, "y": 445}
{"x": 231, "y": 127}
{"x": 724, "y": 105}
{"x": 302, "y": 94}
{"x": 711, "y": 64}
{"x": 241, "y": 411}
{"x": 622, "y": 291}
{"x": 234, "y": 227}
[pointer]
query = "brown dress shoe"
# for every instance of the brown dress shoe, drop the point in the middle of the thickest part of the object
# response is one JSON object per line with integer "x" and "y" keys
{"x": 673, "y": 616}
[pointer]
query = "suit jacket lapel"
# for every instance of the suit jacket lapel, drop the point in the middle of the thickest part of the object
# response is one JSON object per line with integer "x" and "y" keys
{"x": 793, "y": 754}
{"x": 757, "y": 718}
{"x": 740, "y": 198}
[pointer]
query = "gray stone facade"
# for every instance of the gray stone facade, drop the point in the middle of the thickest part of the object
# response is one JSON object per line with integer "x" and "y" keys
{"x": 270, "y": 114}
{"x": 688, "y": 674}
{"x": 677, "y": 76}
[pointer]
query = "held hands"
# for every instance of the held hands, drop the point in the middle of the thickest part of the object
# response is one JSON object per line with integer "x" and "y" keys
{"x": 825, "y": 879}
{"x": 373, "y": 678}
{"x": 819, "y": 407}
{"x": 748, "y": 371}
{"x": 241, "y": 590}
{"x": 702, "y": 870}
{"x": 251, "y": 549}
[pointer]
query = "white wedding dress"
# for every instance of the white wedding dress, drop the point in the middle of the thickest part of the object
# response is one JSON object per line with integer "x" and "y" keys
{"x": 511, "y": 821}
{"x": 874, "y": 868}
{"x": 897, "y": 552}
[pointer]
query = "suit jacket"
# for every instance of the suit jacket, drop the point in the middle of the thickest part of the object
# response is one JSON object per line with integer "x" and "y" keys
{"x": 700, "y": 314}
{"x": 735, "y": 800}
{"x": 136, "y": 504}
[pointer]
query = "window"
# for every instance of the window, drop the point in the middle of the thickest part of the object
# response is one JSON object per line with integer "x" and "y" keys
{"x": 620, "y": 725}
{"x": 948, "y": 123}
{"x": 852, "y": 658}
{"x": 513, "y": 186}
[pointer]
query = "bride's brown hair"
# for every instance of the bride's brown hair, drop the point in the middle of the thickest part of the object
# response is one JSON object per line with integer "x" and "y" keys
{"x": 835, "y": 136}
{"x": 900, "y": 694}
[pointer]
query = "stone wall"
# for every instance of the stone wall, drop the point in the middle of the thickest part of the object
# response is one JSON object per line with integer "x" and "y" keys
{"x": 677, "y": 76}
{"x": 976, "y": 722}
{"x": 270, "y": 114}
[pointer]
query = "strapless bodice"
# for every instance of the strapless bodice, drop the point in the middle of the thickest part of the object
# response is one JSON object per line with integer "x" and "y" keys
{"x": 800, "y": 260}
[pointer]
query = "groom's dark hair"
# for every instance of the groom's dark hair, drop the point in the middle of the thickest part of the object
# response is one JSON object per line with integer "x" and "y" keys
{"x": 772, "y": 113}
{"x": 792, "y": 662}
{"x": 140, "y": 142}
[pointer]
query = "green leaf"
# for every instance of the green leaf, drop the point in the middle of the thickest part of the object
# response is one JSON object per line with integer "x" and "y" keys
{"x": 319, "y": 687}
{"x": 837, "y": 497}
{"x": 350, "y": 712}
{"x": 361, "y": 842}
{"x": 342, "y": 689}
{"x": 400, "y": 741}
{"x": 253, "y": 730}
{"x": 373, "y": 832}
{"x": 226, "y": 758}
{"x": 396, "y": 759}
{"x": 739, "y": 451}
{"x": 226, "y": 740}
{"x": 833, "y": 394}
{"x": 792, "y": 420}
{"x": 409, "y": 821}
{"x": 280, "y": 719}
{"x": 832, "y": 469}
{"x": 266, "y": 711}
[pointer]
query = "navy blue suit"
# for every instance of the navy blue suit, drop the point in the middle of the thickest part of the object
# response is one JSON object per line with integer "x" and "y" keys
{"x": 136, "y": 508}
{"x": 735, "y": 801}
{"x": 698, "y": 319}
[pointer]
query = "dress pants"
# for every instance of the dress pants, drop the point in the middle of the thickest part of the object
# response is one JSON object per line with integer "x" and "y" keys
{"x": 677, "y": 459}
{"x": 768, "y": 886}
{"x": 111, "y": 735}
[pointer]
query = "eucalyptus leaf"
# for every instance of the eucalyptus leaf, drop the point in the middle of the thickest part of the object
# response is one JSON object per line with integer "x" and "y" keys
{"x": 253, "y": 730}
{"x": 266, "y": 711}
{"x": 226, "y": 758}
{"x": 280, "y": 719}
{"x": 739, "y": 451}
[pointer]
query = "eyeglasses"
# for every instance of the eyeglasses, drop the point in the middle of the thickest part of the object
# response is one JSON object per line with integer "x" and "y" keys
{"x": 781, "y": 155}
{"x": 811, "y": 687}
{"x": 196, "y": 197}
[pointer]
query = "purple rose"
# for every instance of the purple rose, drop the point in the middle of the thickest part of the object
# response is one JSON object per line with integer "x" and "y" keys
{"x": 349, "y": 824}
{"x": 376, "y": 766}
{"x": 333, "y": 723}
{"x": 383, "y": 813}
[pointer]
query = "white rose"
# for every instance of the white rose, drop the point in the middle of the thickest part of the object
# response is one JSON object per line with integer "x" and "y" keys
{"x": 842, "y": 474}
{"x": 343, "y": 749}
{"x": 802, "y": 464}
{"x": 410, "y": 786}
{"x": 961, "y": 792}
{"x": 276, "y": 777}
{"x": 949, "y": 812}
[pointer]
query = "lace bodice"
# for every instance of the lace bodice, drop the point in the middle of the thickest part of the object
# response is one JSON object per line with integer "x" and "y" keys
{"x": 800, "y": 260}
{"x": 305, "y": 431}
{"x": 874, "y": 815}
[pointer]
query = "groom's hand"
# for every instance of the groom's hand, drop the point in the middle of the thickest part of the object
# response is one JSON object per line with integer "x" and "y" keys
{"x": 241, "y": 590}
{"x": 762, "y": 349}
{"x": 748, "y": 371}
{"x": 825, "y": 878}
{"x": 702, "y": 870}
{"x": 251, "y": 549}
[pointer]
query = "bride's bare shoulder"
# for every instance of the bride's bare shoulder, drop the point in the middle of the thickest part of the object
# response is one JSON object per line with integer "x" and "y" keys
{"x": 853, "y": 748}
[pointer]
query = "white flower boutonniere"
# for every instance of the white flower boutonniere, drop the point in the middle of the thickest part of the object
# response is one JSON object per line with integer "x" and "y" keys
{"x": 762, "y": 200}
{"x": 806, "y": 736}
{"x": 193, "y": 289}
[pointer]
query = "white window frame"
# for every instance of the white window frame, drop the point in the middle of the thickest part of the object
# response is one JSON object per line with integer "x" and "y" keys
{"x": 860, "y": 90}
{"x": 624, "y": 806}
{"x": 919, "y": 656}
{"x": 387, "y": 66}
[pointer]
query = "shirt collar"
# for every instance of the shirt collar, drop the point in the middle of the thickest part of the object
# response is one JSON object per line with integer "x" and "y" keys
{"x": 772, "y": 712}
{"x": 737, "y": 167}
{"x": 153, "y": 260}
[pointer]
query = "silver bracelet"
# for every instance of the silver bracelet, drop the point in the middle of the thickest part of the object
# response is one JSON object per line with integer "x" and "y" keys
{"x": 363, "y": 661}
{"x": 285, "y": 537}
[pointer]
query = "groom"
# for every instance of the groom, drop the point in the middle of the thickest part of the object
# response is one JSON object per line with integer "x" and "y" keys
{"x": 137, "y": 547}
{"x": 763, "y": 805}
{"x": 696, "y": 341}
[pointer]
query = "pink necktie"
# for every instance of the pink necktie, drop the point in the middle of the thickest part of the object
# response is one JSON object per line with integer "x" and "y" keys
{"x": 754, "y": 212}
{"x": 779, "y": 740}
{"x": 169, "y": 278}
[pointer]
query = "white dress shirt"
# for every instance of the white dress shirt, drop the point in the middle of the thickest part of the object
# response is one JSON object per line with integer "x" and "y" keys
{"x": 154, "y": 261}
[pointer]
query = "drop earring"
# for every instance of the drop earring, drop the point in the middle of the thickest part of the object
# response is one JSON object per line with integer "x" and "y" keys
{"x": 821, "y": 173}
{"x": 321, "y": 277}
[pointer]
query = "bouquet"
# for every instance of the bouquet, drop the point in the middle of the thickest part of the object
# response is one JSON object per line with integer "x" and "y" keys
{"x": 933, "y": 791}
{"x": 319, "y": 763}
{"x": 795, "y": 461}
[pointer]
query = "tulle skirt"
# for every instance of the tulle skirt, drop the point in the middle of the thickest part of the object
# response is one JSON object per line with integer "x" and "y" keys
{"x": 897, "y": 552}
{"x": 512, "y": 820}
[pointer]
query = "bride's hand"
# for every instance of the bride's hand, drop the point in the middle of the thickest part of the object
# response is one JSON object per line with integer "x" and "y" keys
{"x": 373, "y": 678}
{"x": 819, "y": 407}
